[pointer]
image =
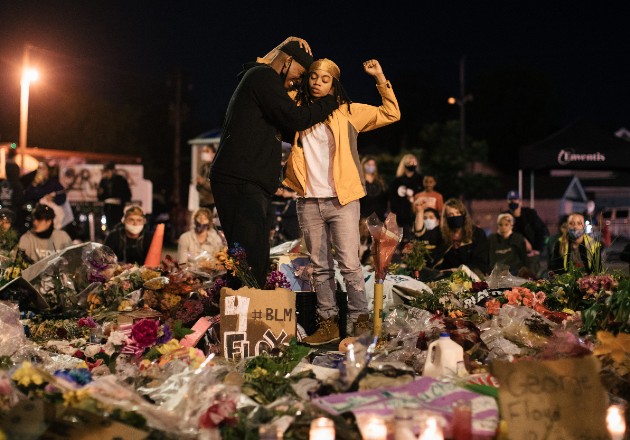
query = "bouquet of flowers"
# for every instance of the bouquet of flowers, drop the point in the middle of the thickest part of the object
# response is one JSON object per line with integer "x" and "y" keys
{"x": 414, "y": 255}
{"x": 235, "y": 260}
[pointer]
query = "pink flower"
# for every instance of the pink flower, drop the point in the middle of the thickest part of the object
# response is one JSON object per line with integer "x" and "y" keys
{"x": 540, "y": 297}
{"x": 528, "y": 298}
{"x": 513, "y": 297}
{"x": 493, "y": 306}
{"x": 145, "y": 332}
{"x": 221, "y": 411}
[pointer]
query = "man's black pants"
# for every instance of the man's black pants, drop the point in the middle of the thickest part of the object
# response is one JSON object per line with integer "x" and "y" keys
{"x": 243, "y": 211}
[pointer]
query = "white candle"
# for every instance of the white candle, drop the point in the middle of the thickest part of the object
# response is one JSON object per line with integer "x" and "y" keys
{"x": 322, "y": 429}
{"x": 375, "y": 429}
{"x": 431, "y": 430}
{"x": 616, "y": 422}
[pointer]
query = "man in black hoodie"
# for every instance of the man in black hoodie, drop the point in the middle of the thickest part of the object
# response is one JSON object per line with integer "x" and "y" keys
{"x": 246, "y": 170}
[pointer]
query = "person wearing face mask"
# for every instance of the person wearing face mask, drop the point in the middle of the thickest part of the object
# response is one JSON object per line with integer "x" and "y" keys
{"x": 507, "y": 247}
{"x": 43, "y": 239}
{"x": 324, "y": 170}
{"x": 576, "y": 249}
{"x": 375, "y": 200}
{"x": 206, "y": 199}
{"x": 246, "y": 170}
{"x": 426, "y": 227}
{"x": 461, "y": 242}
{"x": 129, "y": 239}
{"x": 402, "y": 189}
{"x": 201, "y": 237}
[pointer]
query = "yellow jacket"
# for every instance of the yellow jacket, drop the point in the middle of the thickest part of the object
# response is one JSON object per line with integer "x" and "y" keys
{"x": 345, "y": 126}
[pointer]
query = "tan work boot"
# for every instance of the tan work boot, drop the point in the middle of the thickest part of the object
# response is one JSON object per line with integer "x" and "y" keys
{"x": 362, "y": 325}
{"x": 327, "y": 332}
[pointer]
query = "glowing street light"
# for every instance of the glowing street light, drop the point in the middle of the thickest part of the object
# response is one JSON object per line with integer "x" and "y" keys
{"x": 28, "y": 75}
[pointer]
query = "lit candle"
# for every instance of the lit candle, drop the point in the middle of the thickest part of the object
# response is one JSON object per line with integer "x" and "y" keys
{"x": 375, "y": 429}
{"x": 616, "y": 422}
{"x": 322, "y": 428}
{"x": 431, "y": 430}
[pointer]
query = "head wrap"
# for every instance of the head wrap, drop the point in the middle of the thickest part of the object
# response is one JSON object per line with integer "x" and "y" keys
{"x": 326, "y": 65}
{"x": 298, "y": 53}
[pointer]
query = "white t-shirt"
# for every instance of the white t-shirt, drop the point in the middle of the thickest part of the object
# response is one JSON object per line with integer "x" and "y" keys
{"x": 319, "y": 151}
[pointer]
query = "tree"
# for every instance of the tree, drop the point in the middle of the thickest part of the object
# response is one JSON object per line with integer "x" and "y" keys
{"x": 442, "y": 156}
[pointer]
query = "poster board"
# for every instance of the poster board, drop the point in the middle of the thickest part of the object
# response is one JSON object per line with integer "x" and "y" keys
{"x": 558, "y": 400}
{"x": 254, "y": 321}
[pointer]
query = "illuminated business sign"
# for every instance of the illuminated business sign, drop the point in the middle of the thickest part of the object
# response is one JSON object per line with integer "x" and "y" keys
{"x": 566, "y": 157}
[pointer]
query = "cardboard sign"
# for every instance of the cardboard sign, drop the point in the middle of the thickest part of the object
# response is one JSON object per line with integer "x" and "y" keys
{"x": 254, "y": 321}
{"x": 560, "y": 400}
{"x": 423, "y": 394}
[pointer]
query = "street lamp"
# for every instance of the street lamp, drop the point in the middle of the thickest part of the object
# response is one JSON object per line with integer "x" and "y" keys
{"x": 28, "y": 76}
{"x": 461, "y": 101}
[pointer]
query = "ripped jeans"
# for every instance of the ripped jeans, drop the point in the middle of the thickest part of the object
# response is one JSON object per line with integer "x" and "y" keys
{"x": 325, "y": 224}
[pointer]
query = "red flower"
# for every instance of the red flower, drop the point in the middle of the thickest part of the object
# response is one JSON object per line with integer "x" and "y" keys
{"x": 221, "y": 411}
{"x": 145, "y": 332}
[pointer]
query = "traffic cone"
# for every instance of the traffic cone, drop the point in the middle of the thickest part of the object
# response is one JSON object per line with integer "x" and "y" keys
{"x": 154, "y": 256}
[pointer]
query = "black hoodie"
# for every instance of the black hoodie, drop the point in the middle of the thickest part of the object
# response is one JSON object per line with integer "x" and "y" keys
{"x": 259, "y": 110}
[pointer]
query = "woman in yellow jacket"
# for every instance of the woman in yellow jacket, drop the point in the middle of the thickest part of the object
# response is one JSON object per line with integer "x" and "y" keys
{"x": 325, "y": 170}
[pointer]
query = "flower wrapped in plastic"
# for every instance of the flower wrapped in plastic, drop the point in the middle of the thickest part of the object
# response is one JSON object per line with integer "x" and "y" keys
{"x": 385, "y": 238}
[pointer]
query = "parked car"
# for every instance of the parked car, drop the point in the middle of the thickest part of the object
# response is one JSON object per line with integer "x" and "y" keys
{"x": 618, "y": 220}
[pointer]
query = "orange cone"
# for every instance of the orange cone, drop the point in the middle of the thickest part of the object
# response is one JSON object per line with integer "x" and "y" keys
{"x": 154, "y": 256}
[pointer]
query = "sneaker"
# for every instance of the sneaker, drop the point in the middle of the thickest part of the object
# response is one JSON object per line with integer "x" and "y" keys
{"x": 327, "y": 332}
{"x": 362, "y": 325}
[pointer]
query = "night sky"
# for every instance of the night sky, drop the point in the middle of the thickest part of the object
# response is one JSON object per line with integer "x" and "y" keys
{"x": 583, "y": 51}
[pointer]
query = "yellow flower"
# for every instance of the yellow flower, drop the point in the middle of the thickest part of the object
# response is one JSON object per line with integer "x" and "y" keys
{"x": 28, "y": 375}
{"x": 617, "y": 347}
{"x": 196, "y": 357}
{"x": 71, "y": 398}
{"x": 467, "y": 285}
{"x": 169, "y": 347}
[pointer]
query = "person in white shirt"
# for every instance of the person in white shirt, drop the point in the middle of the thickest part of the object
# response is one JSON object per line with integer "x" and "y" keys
{"x": 202, "y": 237}
{"x": 43, "y": 239}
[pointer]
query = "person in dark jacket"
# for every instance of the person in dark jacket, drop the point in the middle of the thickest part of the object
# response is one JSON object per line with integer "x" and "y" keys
{"x": 461, "y": 242}
{"x": 530, "y": 225}
{"x": 114, "y": 192}
{"x": 506, "y": 246}
{"x": 12, "y": 191}
{"x": 375, "y": 199}
{"x": 130, "y": 239}
{"x": 246, "y": 170}
{"x": 402, "y": 189}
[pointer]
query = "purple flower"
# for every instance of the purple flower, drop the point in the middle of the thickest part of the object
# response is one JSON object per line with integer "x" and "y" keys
{"x": 87, "y": 322}
{"x": 145, "y": 332}
{"x": 277, "y": 279}
{"x": 165, "y": 335}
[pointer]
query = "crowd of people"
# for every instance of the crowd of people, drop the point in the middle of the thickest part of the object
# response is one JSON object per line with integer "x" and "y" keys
{"x": 290, "y": 137}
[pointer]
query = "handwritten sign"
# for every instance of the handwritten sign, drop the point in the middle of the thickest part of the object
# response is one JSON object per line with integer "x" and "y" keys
{"x": 560, "y": 400}
{"x": 255, "y": 321}
{"x": 423, "y": 394}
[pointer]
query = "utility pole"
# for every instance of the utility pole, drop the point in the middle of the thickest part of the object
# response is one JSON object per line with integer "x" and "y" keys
{"x": 462, "y": 107}
{"x": 177, "y": 116}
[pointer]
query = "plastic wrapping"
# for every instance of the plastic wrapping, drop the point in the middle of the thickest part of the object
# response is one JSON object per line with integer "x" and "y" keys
{"x": 501, "y": 278}
{"x": 64, "y": 279}
{"x": 385, "y": 238}
{"x": 12, "y": 335}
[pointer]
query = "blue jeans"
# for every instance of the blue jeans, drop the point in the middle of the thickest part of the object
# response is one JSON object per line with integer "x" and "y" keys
{"x": 325, "y": 224}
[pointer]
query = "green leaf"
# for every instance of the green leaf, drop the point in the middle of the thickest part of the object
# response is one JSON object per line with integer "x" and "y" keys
{"x": 179, "y": 332}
